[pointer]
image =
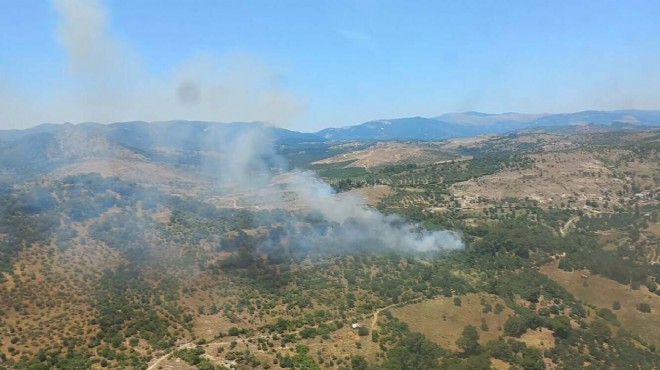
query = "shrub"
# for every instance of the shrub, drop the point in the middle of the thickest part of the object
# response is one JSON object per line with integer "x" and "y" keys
{"x": 644, "y": 307}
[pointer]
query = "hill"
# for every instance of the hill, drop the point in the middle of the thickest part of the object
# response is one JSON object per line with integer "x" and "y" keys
{"x": 180, "y": 144}
{"x": 453, "y": 125}
{"x": 146, "y": 246}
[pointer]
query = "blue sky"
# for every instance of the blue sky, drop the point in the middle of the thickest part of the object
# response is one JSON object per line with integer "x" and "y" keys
{"x": 312, "y": 64}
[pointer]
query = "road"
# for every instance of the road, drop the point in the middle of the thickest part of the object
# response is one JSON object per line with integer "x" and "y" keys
{"x": 564, "y": 229}
{"x": 378, "y": 311}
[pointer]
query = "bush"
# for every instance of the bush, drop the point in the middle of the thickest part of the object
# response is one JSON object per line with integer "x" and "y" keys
{"x": 515, "y": 326}
{"x": 644, "y": 307}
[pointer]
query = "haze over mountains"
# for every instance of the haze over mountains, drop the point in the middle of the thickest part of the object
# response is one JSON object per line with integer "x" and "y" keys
{"x": 475, "y": 123}
{"x": 184, "y": 143}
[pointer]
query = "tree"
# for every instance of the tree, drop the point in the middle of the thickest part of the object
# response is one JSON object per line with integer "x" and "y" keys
{"x": 651, "y": 285}
{"x": 469, "y": 341}
{"x": 532, "y": 359}
{"x": 616, "y": 305}
{"x": 359, "y": 363}
{"x": 413, "y": 352}
{"x": 479, "y": 362}
{"x": 515, "y": 326}
{"x": 644, "y": 307}
{"x": 600, "y": 329}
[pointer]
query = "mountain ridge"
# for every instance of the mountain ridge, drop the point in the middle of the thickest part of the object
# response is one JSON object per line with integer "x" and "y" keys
{"x": 188, "y": 143}
{"x": 466, "y": 124}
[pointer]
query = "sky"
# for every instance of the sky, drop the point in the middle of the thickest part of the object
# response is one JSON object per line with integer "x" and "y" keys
{"x": 311, "y": 64}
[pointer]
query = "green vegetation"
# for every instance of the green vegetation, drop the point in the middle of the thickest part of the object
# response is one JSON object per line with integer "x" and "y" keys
{"x": 143, "y": 272}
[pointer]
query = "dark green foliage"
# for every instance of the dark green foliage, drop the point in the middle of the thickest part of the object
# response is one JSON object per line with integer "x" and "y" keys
{"x": 71, "y": 359}
{"x": 301, "y": 359}
{"x": 359, "y": 363}
{"x": 469, "y": 341}
{"x": 644, "y": 307}
{"x": 515, "y": 326}
{"x": 194, "y": 357}
{"x": 125, "y": 305}
{"x": 413, "y": 352}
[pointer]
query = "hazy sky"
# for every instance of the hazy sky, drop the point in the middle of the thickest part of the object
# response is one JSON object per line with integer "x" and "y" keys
{"x": 310, "y": 64}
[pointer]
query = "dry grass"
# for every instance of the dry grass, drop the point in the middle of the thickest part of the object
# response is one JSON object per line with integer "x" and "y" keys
{"x": 499, "y": 364}
{"x": 385, "y": 153}
{"x": 442, "y": 322}
{"x": 541, "y": 338}
{"x": 50, "y": 287}
{"x": 373, "y": 194}
{"x": 552, "y": 180}
{"x": 138, "y": 170}
{"x": 601, "y": 291}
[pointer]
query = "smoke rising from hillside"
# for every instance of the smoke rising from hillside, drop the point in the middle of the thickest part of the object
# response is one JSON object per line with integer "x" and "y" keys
{"x": 359, "y": 223}
{"x": 110, "y": 85}
{"x": 249, "y": 164}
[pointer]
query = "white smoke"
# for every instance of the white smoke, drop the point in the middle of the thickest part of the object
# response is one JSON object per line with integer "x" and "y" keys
{"x": 110, "y": 84}
{"x": 359, "y": 223}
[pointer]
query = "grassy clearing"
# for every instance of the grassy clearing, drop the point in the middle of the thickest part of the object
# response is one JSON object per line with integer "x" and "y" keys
{"x": 541, "y": 338}
{"x": 602, "y": 292}
{"x": 442, "y": 322}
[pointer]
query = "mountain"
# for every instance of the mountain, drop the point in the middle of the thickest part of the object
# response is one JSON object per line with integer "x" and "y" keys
{"x": 190, "y": 143}
{"x": 401, "y": 128}
{"x": 179, "y": 143}
{"x": 468, "y": 124}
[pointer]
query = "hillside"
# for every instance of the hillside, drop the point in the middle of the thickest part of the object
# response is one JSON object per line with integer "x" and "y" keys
{"x": 188, "y": 245}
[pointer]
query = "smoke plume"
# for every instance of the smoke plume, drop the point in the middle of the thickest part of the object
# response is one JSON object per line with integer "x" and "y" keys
{"x": 250, "y": 166}
{"x": 358, "y": 224}
{"x": 110, "y": 84}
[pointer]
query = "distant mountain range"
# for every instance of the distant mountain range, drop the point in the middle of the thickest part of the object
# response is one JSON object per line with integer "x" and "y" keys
{"x": 189, "y": 143}
{"x": 468, "y": 124}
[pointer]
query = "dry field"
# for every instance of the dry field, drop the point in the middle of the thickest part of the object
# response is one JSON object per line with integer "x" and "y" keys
{"x": 554, "y": 179}
{"x": 601, "y": 292}
{"x": 373, "y": 194}
{"x": 442, "y": 322}
{"x": 137, "y": 170}
{"x": 385, "y": 153}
